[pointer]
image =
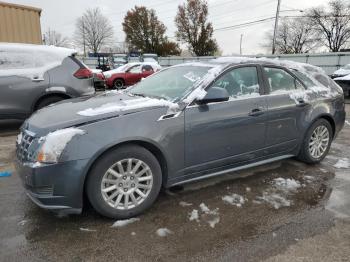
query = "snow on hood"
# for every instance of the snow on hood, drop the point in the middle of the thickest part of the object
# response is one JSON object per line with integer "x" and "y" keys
{"x": 30, "y": 61}
{"x": 127, "y": 105}
{"x": 342, "y": 71}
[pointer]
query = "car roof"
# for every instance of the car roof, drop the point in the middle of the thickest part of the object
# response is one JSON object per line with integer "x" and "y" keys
{"x": 231, "y": 61}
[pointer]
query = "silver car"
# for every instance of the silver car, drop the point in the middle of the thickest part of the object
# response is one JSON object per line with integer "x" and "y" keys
{"x": 34, "y": 76}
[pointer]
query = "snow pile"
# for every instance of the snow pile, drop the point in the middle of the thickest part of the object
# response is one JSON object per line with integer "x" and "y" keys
{"x": 276, "y": 200}
{"x": 185, "y": 204}
{"x": 87, "y": 229}
{"x": 342, "y": 163}
{"x": 277, "y": 195}
{"x": 197, "y": 94}
{"x": 128, "y": 105}
{"x": 347, "y": 77}
{"x": 163, "y": 232}
{"x": 286, "y": 185}
{"x": 125, "y": 222}
{"x": 30, "y": 61}
{"x": 234, "y": 199}
{"x": 55, "y": 142}
{"x": 194, "y": 215}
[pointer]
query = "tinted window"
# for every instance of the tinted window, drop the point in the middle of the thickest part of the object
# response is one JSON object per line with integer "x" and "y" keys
{"x": 147, "y": 68}
{"x": 239, "y": 81}
{"x": 280, "y": 80}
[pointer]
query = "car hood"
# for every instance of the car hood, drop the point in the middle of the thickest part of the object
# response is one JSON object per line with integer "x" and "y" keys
{"x": 78, "y": 111}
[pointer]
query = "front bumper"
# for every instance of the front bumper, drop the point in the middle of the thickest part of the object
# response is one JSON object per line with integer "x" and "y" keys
{"x": 58, "y": 187}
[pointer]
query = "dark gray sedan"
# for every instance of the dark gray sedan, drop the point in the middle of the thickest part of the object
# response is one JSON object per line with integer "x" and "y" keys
{"x": 185, "y": 123}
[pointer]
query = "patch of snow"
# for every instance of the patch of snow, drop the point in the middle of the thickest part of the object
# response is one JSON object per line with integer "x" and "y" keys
{"x": 55, "y": 142}
{"x": 309, "y": 178}
{"x": 204, "y": 208}
{"x": 194, "y": 215}
{"x": 56, "y": 89}
{"x": 125, "y": 222}
{"x": 197, "y": 94}
{"x": 214, "y": 221}
{"x": 234, "y": 199}
{"x": 347, "y": 122}
{"x": 274, "y": 235}
{"x": 163, "y": 232}
{"x": 36, "y": 164}
{"x": 274, "y": 199}
{"x": 248, "y": 189}
{"x": 127, "y": 105}
{"x": 30, "y": 61}
{"x": 192, "y": 77}
{"x": 342, "y": 163}
{"x": 133, "y": 233}
{"x": 22, "y": 223}
{"x": 347, "y": 77}
{"x": 323, "y": 170}
{"x": 87, "y": 229}
{"x": 19, "y": 138}
{"x": 286, "y": 185}
{"x": 185, "y": 204}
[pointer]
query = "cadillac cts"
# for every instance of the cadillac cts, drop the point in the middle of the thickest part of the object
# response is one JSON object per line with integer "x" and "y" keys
{"x": 182, "y": 124}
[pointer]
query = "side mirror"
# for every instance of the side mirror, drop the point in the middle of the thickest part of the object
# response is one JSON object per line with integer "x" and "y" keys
{"x": 214, "y": 94}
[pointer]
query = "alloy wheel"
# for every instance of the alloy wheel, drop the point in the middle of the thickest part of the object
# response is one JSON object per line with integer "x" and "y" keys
{"x": 319, "y": 141}
{"x": 126, "y": 184}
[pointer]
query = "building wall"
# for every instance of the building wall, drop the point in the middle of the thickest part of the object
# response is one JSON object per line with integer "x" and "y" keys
{"x": 20, "y": 24}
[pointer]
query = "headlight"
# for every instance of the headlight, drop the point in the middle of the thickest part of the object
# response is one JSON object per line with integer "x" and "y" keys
{"x": 54, "y": 143}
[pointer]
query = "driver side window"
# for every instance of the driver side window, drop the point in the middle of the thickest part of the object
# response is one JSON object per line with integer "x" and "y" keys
{"x": 239, "y": 82}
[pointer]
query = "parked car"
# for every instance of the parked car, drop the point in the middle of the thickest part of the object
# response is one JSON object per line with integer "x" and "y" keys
{"x": 344, "y": 82}
{"x": 99, "y": 79}
{"x": 183, "y": 124}
{"x": 130, "y": 74}
{"x": 34, "y": 76}
{"x": 341, "y": 72}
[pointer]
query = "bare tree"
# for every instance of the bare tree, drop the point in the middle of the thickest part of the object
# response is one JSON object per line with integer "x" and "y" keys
{"x": 294, "y": 36}
{"x": 52, "y": 37}
{"x": 93, "y": 30}
{"x": 334, "y": 24}
{"x": 194, "y": 29}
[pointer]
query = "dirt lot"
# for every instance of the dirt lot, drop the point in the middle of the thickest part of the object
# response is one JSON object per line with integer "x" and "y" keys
{"x": 286, "y": 211}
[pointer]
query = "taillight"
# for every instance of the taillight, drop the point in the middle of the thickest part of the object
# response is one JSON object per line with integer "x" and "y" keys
{"x": 83, "y": 73}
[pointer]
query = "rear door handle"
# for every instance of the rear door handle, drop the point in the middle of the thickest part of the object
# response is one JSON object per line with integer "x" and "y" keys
{"x": 256, "y": 112}
{"x": 302, "y": 103}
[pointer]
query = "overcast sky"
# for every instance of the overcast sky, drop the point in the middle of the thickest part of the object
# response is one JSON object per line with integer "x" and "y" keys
{"x": 60, "y": 15}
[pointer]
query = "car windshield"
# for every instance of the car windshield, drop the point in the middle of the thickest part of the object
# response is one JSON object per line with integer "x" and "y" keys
{"x": 170, "y": 84}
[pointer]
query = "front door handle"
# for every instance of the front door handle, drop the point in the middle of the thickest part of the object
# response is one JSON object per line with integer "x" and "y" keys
{"x": 256, "y": 112}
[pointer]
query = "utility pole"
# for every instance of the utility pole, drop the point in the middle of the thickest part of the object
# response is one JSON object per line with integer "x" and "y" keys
{"x": 240, "y": 45}
{"x": 276, "y": 27}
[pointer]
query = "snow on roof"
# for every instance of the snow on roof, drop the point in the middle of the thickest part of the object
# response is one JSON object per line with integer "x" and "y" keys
{"x": 30, "y": 60}
{"x": 347, "y": 77}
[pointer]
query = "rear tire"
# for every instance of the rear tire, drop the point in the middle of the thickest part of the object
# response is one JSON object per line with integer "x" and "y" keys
{"x": 316, "y": 143}
{"x": 48, "y": 101}
{"x": 115, "y": 190}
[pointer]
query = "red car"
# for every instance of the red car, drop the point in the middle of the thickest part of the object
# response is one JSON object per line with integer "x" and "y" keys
{"x": 129, "y": 74}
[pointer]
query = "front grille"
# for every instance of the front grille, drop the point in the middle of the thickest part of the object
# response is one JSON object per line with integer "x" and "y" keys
{"x": 24, "y": 151}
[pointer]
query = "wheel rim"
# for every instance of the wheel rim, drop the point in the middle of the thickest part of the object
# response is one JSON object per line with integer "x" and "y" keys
{"x": 319, "y": 141}
{"x": 118, "y": 84}
{"x": 127, "y": 183}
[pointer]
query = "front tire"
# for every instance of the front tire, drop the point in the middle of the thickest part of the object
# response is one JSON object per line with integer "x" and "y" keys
{"x": 124, "y": 182}
{"x": 317, "y": 142}
{"x": 118, "y": 83}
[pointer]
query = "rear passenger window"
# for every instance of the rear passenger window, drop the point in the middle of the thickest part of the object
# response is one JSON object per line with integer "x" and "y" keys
{"x": 303, "y": 77}
{"x": 239, "y": 82}
{"x": 281, "y": 80}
